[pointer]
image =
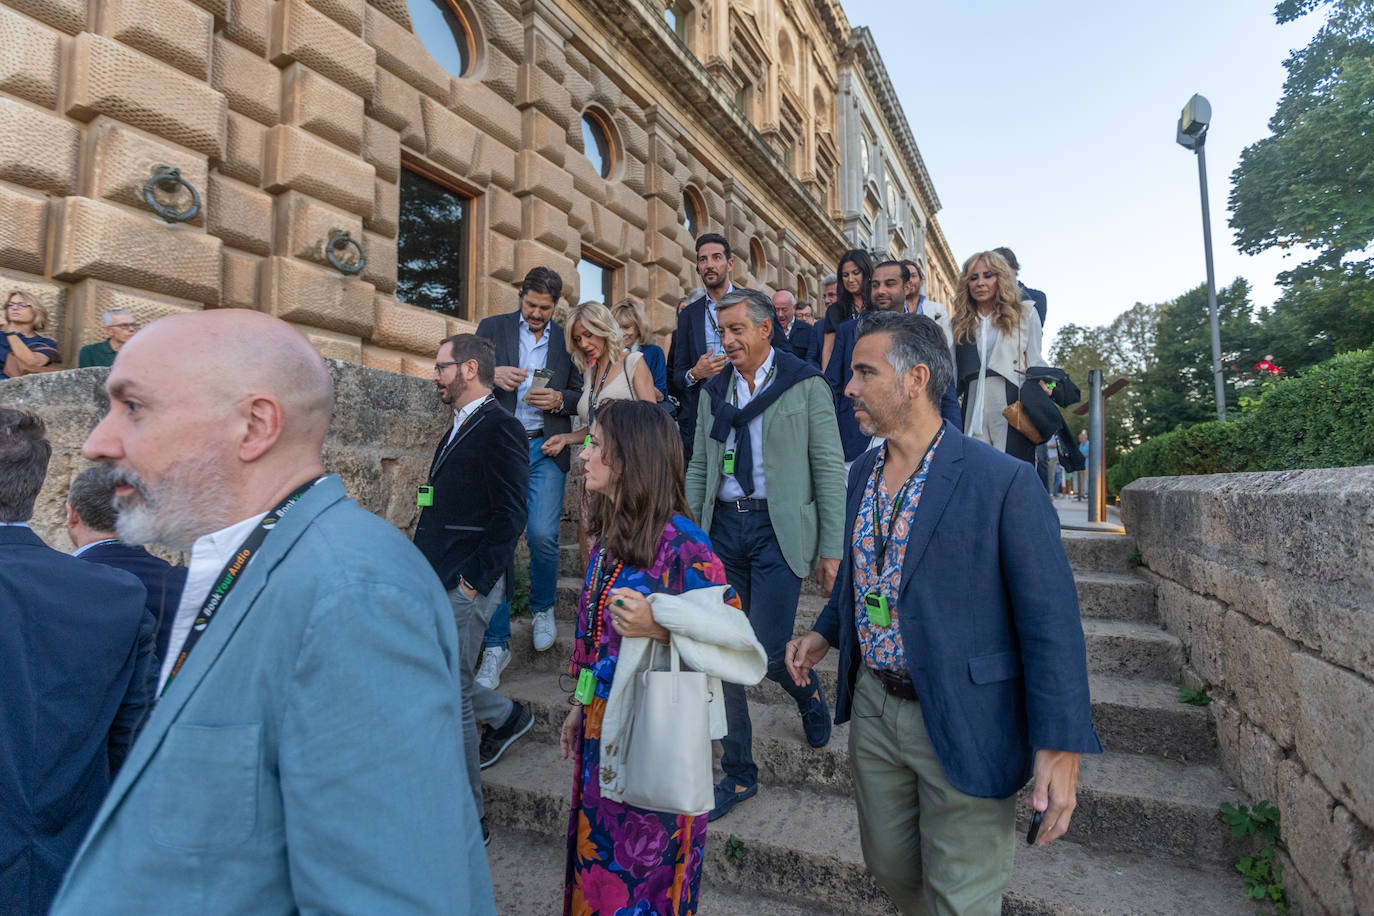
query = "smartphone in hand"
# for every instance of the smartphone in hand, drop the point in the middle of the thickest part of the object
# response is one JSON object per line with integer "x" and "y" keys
{"x": 539, "y": 378}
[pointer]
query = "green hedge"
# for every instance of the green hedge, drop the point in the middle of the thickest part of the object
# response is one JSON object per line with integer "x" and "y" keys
{"x": 1322, "y": 418}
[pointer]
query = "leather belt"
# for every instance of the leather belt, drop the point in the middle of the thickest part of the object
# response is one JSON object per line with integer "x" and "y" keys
{"x": 899, "y": 685}
{"x": 745, "y": 504}
{"x": 534, "y": 433}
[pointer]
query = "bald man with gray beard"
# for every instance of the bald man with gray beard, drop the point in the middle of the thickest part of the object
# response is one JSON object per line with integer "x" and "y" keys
{"x": 302, "y": 754}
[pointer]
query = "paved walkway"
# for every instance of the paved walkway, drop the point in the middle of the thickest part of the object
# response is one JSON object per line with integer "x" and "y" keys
{"x": 1073, "y": 516}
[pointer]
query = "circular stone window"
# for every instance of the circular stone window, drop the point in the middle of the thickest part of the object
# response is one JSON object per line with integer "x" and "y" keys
{"x": 443, "y": 30}
{"x": 596, "y": 143}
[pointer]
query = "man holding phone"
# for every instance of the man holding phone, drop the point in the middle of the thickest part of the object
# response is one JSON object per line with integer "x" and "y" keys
{"x": 696, "y": 353}
{"x": 536, "y": 381}
{"x": 961, "y": 653}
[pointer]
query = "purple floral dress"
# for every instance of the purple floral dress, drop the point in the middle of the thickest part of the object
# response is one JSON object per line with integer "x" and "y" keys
{"x": 623, "y": 860}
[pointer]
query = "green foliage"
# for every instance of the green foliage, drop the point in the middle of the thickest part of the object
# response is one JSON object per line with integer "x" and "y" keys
{"x": 1262, "y": 873}
{"x": 520, "y": 594}
{"x": 734, "y": 850}
{"x": 1321, "y": 418}
{"x": 1134, "y": 559}
{"x": 1307, "y": 185}
{"x": 1330, "y": 312}
{"x": 1195, "y": 696}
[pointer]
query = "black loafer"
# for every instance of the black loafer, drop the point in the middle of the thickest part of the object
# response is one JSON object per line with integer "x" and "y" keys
{"x": 815, "y": 718}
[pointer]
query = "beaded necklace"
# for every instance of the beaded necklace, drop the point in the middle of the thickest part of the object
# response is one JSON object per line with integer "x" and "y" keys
{"x": 597, "y": 601}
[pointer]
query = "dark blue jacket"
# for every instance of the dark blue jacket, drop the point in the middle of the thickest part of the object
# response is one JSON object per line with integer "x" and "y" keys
{"x": 657, "y": 365}
{"x": 163, "y": 581}
{"x": 838, "y": 372}
{"x": 988, "y": 613}
{"x": 75, "y": 661}
{"x": 1034, "y": 295}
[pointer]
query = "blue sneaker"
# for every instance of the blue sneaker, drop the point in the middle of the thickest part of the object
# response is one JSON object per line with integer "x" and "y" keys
{"x": 815, "y": 718}
{"x": 729, "y": 793}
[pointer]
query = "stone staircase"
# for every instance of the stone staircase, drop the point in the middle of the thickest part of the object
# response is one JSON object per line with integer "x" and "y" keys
{"x": 1145, "y": 838}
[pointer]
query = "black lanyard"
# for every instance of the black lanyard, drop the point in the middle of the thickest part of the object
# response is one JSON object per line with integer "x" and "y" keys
{"x": 882, "y": 533}
{"x": 229, "y": 576}
{"x": 595, "y": 394}
{"x": 453, "y": 439}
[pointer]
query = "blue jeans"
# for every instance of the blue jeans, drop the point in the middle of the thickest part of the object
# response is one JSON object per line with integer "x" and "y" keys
{"x": 768, "y": 589}
{"x": 541, "y": 533}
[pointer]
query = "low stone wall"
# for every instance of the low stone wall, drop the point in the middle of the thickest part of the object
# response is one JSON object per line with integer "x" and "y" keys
{"x": 1268, "y": 579}
{"x": 381, "y": 438}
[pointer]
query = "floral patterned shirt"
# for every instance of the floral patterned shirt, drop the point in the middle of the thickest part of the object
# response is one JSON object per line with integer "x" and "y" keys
{"x": 882, "y": 646}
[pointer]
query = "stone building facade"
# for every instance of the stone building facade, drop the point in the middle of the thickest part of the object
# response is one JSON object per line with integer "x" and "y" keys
{"x": 457, "y": 142}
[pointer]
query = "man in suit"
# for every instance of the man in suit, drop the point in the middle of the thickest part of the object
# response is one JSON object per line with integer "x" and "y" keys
{"x": 796, "y": 334}
{"x": 696, "y": 353}
{"x": 1033, "y": 295}
{"x": 301, "y": 757}
{"x": 889, "y": 281}
{"x": 472, "y": 510}
{"x": 918, "y": 304}
{"x": 91, "y": 526}
{"x": 805, "y": 313}
{"x": 529, "y": 344}
{"x": 767, "y": 481}
{"x": 961, "y": 654}
{"x": 74, "y": 674}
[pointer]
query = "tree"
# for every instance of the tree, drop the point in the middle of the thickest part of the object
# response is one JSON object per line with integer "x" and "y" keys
{"x": 1309, "y": 184}
{"x": 1328, "y": 313}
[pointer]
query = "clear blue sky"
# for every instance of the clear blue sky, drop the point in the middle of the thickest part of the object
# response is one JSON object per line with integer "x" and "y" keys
{"x": 1049, "y": 127}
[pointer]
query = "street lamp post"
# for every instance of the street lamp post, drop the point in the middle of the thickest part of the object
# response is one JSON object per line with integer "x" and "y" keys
{"x": 1192, "y": 134}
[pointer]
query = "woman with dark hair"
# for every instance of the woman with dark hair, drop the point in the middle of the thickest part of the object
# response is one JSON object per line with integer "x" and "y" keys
{"x": 652, "y": 579}
{"x": 856, "y": 282}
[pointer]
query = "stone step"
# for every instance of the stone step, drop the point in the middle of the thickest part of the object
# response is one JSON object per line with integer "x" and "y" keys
{"x": 1093, "y": 551}
{"x": 803, "y": 847}
{"x": 1116, "y": 647}
{"x": 1125, "y": 801}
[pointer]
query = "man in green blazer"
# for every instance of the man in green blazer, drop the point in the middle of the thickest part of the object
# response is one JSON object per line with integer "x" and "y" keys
{"x": 766, "y": 480}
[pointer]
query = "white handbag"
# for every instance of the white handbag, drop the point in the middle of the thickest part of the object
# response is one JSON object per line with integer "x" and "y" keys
{"x": 667, "y": 760}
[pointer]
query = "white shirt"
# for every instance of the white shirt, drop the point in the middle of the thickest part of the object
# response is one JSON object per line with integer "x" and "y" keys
{"x": 713, "y": 344}
{"x": 14, "y": 524}
{"x": 461, "y": 414}
{"x": 80, "y": 550}
{"x": 729, "y": 487}
{"x": 209, "y": 555}
{"x": 534, "y": 354}
{"x": 987, "y": 342}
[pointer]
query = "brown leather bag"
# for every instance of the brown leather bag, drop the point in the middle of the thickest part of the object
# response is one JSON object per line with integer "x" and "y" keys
{"x": 1019, "y": 421}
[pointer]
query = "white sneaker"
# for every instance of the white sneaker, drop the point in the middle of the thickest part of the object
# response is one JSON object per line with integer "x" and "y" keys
{"x": 494, "y": 661}
{"x": 545, "y": 630}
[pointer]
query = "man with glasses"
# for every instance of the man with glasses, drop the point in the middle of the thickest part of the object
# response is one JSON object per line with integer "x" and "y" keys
{"x": 118, "y": 326}
{"x": 472, "y": 510}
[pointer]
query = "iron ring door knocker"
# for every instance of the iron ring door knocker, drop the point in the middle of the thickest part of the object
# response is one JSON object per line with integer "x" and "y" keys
{"x": 167, "y": 179}
{"x": 339, "y": 240}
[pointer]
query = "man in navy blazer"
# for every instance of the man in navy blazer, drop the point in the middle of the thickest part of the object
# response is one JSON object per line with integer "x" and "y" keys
{"x": 961, "y": 653}
{"x": 91, "y": 526}
{"x": 74, "y": 674}
{"x": 796, "y": 334}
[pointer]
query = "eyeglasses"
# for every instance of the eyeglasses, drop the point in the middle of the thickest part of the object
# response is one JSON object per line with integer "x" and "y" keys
{"x": 18, "y": 304}
{"x": 440, "y": 367}
{"x": 128, "y": 326}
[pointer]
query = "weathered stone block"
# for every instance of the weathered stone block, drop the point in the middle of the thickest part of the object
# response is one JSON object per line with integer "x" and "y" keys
{"x": 240, "y": 214}
{"x": 347, "y": 13}
{"x": 101, "y": 241}
{"x": 25, "y": 130}
{"x": 250, "y": 84}
{"x": 243, "y": 148}
{"x": 396, "y": 104}
{"x": 247, "y": 24}
{"x": 375, "y": 357}
{"x": 108, "y": 78}
{"x": 538, "y": 176}
{"x": 1259, "y": 672}
{"x": 23, "y": 230}
{"x": 294, "y": 160}
{"x": 537, "y": 87}
{"x": 299, "y": 292}
{"x": 330, "y": 345}
{"x": 173, "y": 31}
{"x": 498, "y": 298}
{"x": 449, "y": 140}
{"x": 407, "y": 328}
{"x": 544, "y": 223}
{"x": 68, "y": 15}
{"x": 30, "y": 58}
{"x": 637, "y": 280}
{"x": 324, "y": 108}
{"x": 1250, "y": 756}
{"x": 495, "y": 165}
{"x": 401, "y": 51}
{"x": 492, "y": 115}
{"x": 530, "y": 254}
{"x": 1320, "y": 835}
{"x": 501, "y": 258}
{"x": 1335, "y": 730}
{"x": 122, "y": 160}
{"x": 501, "y": 74}
{"x": 608, "y": 231}
{"x": 627, "y": 205}
{"x": 239, "y": 280}
{"x": 503, "y": 212}
{"x": 545, "y": 137}
{"x": 301, "y": 33}
{"x": 380, "y": 269}
{"x": 386, "y": 209}
{"x": 92, "y": 298}
{"x": 303, "y": 226}
{"x": 382, "y": 148}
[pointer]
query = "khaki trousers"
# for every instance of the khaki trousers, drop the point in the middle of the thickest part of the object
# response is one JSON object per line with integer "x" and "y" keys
{"x": 907, "y": 809}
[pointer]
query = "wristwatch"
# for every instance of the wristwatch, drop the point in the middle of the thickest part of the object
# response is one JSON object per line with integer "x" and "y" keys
{"x": 691, "y": 379}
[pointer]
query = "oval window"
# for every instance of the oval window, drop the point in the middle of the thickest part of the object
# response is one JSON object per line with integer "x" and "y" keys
{"x": 755, "y": 257}
{"x": 443, "y": 31}
{"x": 691, "y": 212}
{"x": 596, "y": 142}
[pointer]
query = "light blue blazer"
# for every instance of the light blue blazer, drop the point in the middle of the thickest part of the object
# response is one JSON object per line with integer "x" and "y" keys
{"x": 309, "y": 756}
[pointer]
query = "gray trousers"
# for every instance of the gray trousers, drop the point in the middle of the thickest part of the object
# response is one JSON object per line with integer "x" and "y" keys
{"x": 480, "y": 704}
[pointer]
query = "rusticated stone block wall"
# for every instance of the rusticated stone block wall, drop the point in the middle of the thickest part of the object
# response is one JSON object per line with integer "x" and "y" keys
{"x": 1268, "y": 579}
{"x": 295, "y": 117}
{"x": 381, "y": 438}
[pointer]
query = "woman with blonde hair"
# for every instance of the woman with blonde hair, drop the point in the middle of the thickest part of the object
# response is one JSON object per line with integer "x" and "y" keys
{"x": 634, "y": 324}
{"x": 22, "y": 350}
{"x": 996, "y": 339}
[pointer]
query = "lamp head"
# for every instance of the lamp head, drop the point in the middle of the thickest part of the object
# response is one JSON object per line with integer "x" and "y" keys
{"x": 1193, "y": 122}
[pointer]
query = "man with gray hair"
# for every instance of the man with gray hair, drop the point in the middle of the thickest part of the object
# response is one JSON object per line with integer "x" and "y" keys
{"x": 766, "y": 480}
{"x": 961, "y": 655}
{"x": 118, "y": 326}
{"x": 75, "y": 662}
{"x": 797, "y": 335}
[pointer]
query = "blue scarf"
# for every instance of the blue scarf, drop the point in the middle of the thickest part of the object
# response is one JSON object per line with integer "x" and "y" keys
{"x": 788, "y": 370}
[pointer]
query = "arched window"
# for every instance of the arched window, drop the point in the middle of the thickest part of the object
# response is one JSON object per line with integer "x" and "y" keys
{"x": 819, "y": 111}
{"x": 786, "y": 57}
{"x": 693, "y": 210}
{"x": 443, "y": 30}
{"x": 756, "y": 264}
{"x": 864, "y": 160}
{"x": 596, "y": 143}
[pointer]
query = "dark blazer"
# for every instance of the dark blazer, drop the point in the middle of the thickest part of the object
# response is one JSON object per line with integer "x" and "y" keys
{"x": 800, "y": 340}
{"x": 688, "y": 346}
{"x": 75, "y": 666}
{"x": 1034, "y": 295}
{"x": 988, "y": 612}
{"x": 162, "y": 580}
{"x": 504, "y": 333}
{"x": 839, "y": 371}
{"x": 480, "y": 492}
{"x": 657, "y": 365}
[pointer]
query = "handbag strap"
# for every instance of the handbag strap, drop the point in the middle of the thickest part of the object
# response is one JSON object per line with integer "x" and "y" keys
{"x": 674, "y": 659}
